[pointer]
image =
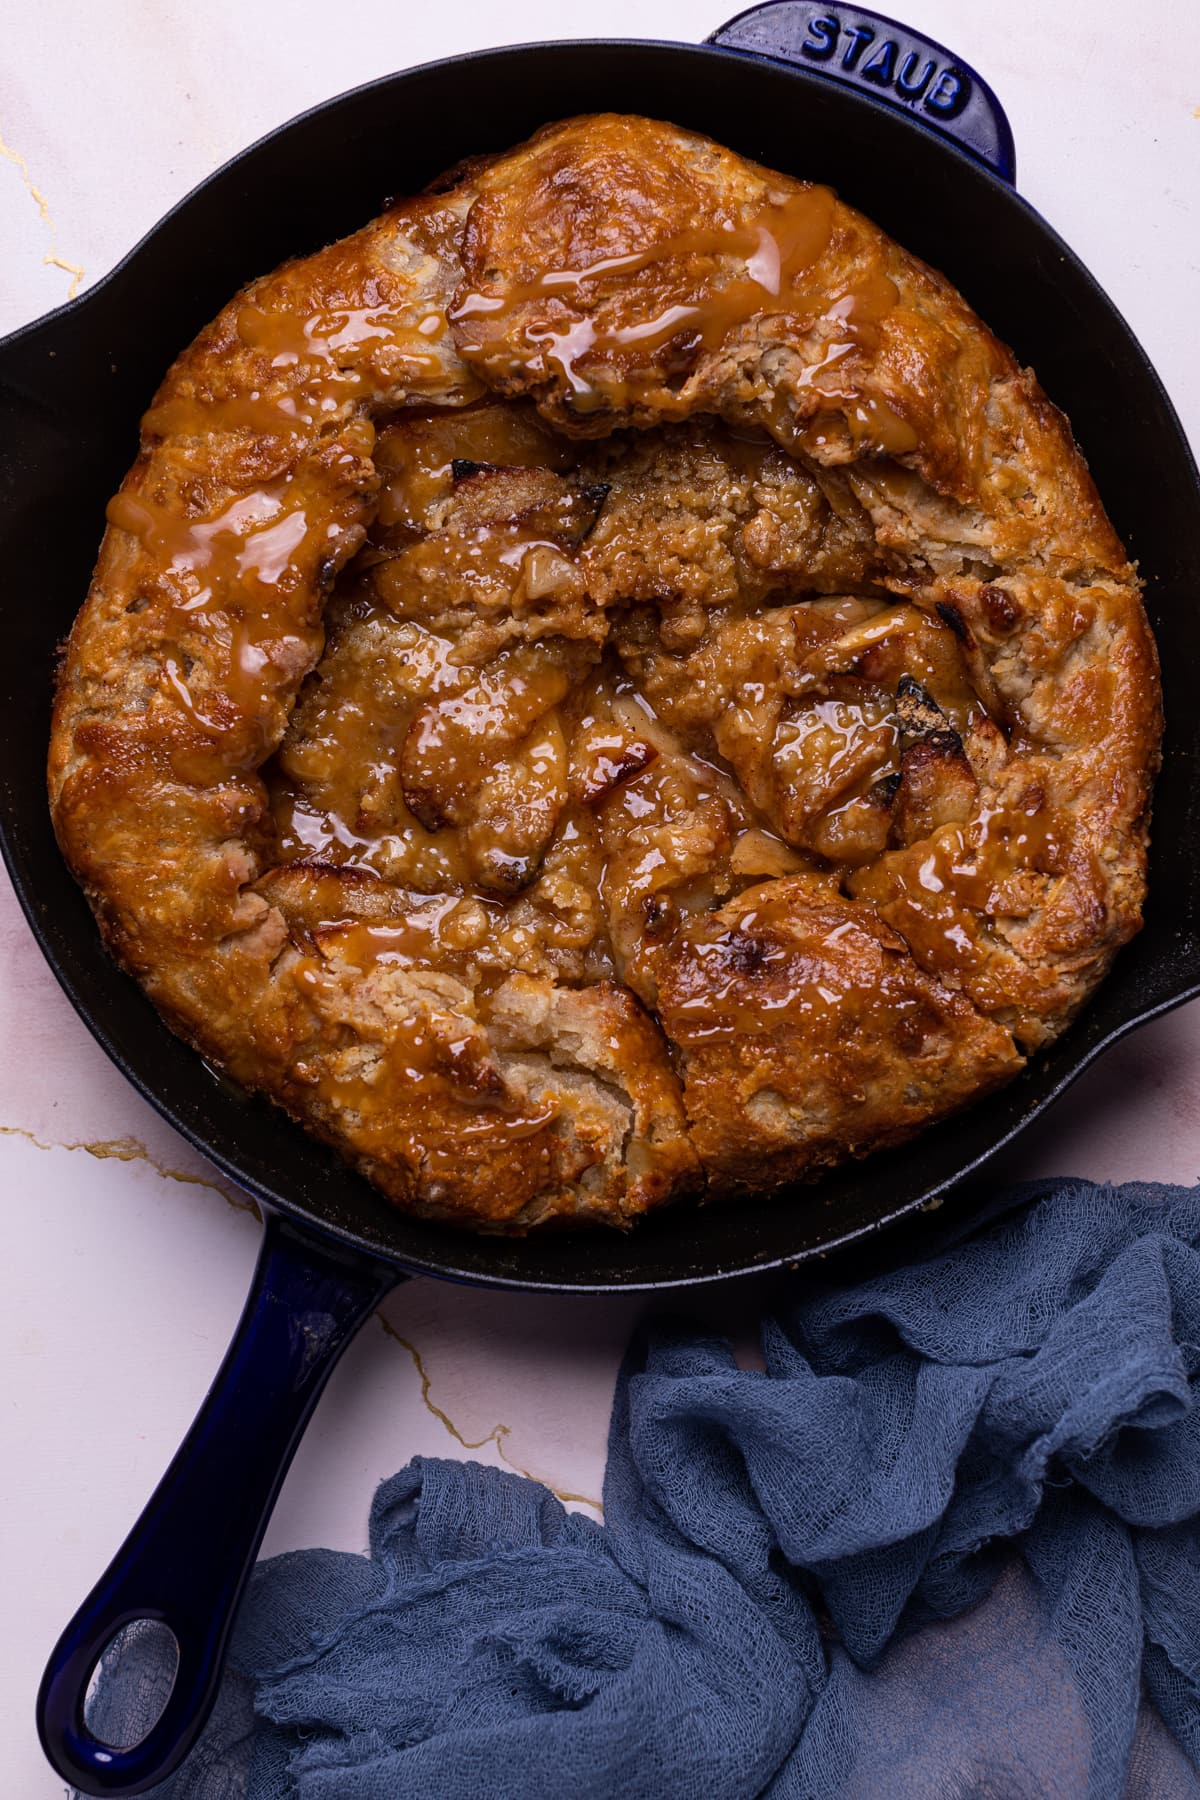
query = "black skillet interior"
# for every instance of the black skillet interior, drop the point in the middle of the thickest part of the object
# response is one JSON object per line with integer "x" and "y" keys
{"x": 72, "y": 389}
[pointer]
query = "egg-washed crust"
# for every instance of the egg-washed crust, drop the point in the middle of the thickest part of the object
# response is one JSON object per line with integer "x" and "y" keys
{"x": 733, "y": 1036}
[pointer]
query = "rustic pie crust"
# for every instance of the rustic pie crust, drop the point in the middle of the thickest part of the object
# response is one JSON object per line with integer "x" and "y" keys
{"x": 609, "y": 684}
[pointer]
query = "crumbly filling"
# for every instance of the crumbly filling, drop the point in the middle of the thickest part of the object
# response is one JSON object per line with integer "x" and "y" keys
{"x": 574, "y": 694}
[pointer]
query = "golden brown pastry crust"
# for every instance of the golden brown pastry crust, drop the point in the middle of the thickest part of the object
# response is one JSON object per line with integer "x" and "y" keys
{"x": 864, "y": 853}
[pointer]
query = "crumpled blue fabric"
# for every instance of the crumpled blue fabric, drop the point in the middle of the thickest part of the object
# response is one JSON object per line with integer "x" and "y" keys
{"x": 947, "y": 1545}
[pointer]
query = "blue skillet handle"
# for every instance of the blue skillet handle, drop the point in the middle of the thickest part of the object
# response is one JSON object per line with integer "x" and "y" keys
{"x": 187, "y": 1559}
{"x": 876, "y": 56}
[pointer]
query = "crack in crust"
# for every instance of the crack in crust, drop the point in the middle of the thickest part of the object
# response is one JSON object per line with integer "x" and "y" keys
{"x": 583, "y": 707}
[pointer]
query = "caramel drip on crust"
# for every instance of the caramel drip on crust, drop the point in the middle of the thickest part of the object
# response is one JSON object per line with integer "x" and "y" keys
{"x": 422, "y": 1057}
{"x": 703, "y": 305}
{"x": 313, "y": 366}
{"x": 252, "y": 539}
{"x": 779, "y": 245}
{"x": 712, "y": 1004}
{"x": 244, "y": 576}
{"x": 945, "y": 894}
{"x": 332, "y": 350}
{"x": 435, "y": 930}
{"x": 241, "y": 564}
{"x": 187, "y": 416}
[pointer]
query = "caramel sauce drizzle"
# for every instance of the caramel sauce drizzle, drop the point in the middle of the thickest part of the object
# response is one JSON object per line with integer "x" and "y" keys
{"x": 456, "y": 736}
{"x": 425, "y": 1067}
{"x": 434, "y": 929}
{"x": 961, "y": 877}
{"x": 419, "y": 1068}
{"x": 502, "y": 564}
{"x": 715, "y": 1006}
{"x": 843, "y": 737}
{"x": 251, "y": 539}
{"x": 239, "y": 565}
{"x": 342, "y": 351}
{"x": 779, "y": 246}
{"x": 189, "y": 415}
{"x": 415, "y": 458}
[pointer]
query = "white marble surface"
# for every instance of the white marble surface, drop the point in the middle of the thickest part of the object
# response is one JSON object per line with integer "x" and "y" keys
{"x": 127, "y": 1259}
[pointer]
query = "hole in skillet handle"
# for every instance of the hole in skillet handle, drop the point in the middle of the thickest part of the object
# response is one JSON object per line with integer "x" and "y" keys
{"x": 887, "y": 61}
{"x": 131, "y": 1684}
{"x": 181, "y": 1572}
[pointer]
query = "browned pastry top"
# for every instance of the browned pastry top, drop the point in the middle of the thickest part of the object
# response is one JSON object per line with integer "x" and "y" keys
{"x": 608, "y": 684}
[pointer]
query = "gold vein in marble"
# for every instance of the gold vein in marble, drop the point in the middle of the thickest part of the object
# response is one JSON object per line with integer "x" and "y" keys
{"x": 496, "y": 1435}
{"x": 52, "y": 256}
{"x": 131, "y": 1149}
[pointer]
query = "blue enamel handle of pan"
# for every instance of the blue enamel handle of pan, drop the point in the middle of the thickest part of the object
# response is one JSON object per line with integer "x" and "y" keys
{"x": 885, "y": 61}
{"x": 187, "y": 1560}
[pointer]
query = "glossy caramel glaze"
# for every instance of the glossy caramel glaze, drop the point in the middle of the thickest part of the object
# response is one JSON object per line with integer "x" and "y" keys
{"x": 609, "y": 684}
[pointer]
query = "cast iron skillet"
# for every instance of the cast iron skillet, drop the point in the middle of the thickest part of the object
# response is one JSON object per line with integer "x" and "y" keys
{"x": 902, "y": 130}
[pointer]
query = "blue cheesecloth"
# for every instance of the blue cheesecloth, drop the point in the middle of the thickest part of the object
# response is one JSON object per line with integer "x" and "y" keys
{"x": 946, "y": 1546}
